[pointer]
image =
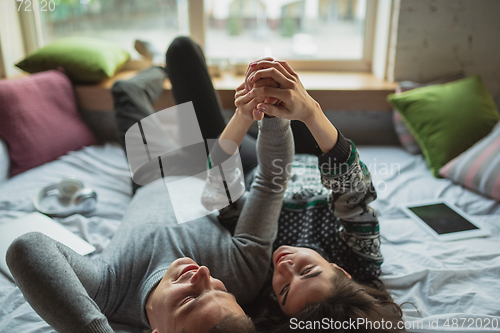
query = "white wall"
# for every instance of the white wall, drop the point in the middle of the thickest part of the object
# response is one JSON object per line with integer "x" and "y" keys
{"x": 439, "y": 37}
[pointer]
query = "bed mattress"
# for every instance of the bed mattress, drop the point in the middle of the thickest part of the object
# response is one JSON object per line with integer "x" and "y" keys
{"x": 452, "y": 286}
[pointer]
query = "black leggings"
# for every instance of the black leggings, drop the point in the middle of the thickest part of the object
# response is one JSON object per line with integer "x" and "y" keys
{"x": 186, "y": 68}
{"x": 188, "y": 74}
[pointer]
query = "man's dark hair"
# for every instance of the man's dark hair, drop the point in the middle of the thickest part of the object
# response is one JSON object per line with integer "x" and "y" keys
{"x": 234, "y": 323}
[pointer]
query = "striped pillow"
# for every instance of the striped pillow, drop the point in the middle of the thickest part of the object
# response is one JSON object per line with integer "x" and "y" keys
{"x": 478, "y": 168}
{"x": 405, "y": 137}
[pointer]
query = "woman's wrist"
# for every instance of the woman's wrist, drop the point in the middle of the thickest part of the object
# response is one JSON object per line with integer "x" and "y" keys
{"x": 322, "y": 129}
{"x": 314, "y": 116}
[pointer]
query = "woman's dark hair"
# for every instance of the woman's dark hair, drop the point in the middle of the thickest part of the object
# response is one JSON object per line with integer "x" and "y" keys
{"x": 350, "y": 307}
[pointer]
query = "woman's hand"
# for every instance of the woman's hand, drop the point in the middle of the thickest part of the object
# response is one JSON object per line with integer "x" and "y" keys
{"x": 294, "y": 101}
{"x": 246, "y": 105}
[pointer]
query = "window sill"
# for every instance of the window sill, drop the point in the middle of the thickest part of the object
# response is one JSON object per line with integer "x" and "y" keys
{"x": 334, "y": 91}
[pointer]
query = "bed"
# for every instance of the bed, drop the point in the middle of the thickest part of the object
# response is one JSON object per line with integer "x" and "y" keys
{"x": 453, "y": 286}
{"x": 100, "y": 167}
{"x": 442, "y": 281}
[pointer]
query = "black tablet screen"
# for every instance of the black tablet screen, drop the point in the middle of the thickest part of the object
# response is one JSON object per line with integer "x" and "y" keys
{"x": 442, "y": 218}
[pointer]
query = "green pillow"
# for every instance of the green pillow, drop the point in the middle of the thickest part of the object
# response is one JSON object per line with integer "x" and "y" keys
{"x": 447, "y": 119}
{"x": 86, "y": 60}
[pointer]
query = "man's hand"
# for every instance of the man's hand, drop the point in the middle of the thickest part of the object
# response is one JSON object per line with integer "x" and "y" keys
{"x": 246, "y": 105}
{"x": 249, "y": 86}
{"x": 294, "y": 101}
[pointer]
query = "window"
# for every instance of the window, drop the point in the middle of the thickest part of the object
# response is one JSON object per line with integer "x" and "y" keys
{"x": 291, "y": 29}
{"x": 310, "y": 34}
{"x": 120, "y": 21}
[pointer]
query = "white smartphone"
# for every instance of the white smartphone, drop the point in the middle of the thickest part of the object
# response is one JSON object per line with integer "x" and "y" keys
{"x": 443, "y": 220}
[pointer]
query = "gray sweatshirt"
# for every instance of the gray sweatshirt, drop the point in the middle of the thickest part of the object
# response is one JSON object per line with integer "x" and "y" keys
{"x": 77, "y": 294}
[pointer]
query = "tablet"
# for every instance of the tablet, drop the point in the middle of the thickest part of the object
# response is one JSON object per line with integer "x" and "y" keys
{"x": 443, "y": 220}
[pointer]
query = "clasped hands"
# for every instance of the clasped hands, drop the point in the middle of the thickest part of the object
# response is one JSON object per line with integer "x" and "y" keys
{"x": 272, "y": 87}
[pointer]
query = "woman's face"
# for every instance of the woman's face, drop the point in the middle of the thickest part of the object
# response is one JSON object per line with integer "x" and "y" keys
{"x": 301, "y": 277}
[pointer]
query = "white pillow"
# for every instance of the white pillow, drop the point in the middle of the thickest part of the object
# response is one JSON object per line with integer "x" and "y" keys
{"x": 4, "y": 161}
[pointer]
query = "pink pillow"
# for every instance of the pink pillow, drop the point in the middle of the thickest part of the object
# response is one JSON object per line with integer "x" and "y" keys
{"x": 39, "y": 120}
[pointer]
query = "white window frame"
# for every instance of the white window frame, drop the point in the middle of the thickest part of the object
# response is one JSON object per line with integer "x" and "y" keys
{"x": 361, "y": 65}
{"x": 198, "y": 28}
{"x": 33, "y": 39}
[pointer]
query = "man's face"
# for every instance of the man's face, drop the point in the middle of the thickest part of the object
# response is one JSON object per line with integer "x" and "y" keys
{"x": 189, "y": 298}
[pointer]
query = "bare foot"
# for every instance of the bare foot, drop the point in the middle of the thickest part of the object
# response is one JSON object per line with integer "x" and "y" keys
{"x": 149, "y": 52}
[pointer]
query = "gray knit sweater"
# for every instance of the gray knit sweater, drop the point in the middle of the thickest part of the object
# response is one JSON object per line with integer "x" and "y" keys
{"x": 77, "y": 294}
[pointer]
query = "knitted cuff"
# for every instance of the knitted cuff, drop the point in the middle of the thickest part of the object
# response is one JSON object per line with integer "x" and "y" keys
{"x": 100, "y": 325}
{"x": 338, "y": 154}
{"x": 218, "y": 155}
{"x": 274, "y": 125}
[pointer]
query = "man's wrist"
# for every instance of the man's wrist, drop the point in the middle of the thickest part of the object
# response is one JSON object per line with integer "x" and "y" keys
{"x": 243, "y": 120}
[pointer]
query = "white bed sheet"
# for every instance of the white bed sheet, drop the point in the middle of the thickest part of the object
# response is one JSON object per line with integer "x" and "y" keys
{"x": 102, "y": 168}
{"x": 458, "y": 279}
{"x": 451, "y": 282}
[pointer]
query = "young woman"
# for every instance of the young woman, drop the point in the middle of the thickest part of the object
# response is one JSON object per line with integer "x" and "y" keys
{"x": 333, "y": 269}
{"x": 327, "y": 252}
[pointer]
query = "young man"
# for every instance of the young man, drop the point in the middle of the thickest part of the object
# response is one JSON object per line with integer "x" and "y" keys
{"x": 154, "y": 272}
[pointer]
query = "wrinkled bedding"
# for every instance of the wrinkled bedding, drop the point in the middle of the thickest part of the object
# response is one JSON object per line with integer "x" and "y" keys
{"x": 439, "y": 281}
{"x": 452, "y": 286}
{"x": 102, "y": 168}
